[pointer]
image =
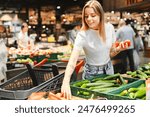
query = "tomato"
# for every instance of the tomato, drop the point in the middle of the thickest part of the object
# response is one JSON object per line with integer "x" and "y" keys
{"x": 122, "y": 45}
{"x": 128, "y": 42}
{"x": 117, "y": 43}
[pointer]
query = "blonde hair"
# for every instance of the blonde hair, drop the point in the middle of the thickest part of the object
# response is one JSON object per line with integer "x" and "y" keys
{"x": 99, "y": 11}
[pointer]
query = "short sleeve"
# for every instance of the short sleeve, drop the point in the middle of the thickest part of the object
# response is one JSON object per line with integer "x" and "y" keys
{"x": 79, "y": 41}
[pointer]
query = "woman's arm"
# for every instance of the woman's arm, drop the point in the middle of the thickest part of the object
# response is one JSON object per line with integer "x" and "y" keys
{"x": 65, "y": 89}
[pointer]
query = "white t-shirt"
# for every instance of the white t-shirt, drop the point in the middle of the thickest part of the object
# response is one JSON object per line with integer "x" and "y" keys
{"x": 96, "y": 52}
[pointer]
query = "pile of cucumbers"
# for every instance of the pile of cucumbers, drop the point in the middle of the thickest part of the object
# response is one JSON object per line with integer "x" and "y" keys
{"x": 141, "y": 73}
{"x": 135, "y": 93}
{"x": 102, "y": 84}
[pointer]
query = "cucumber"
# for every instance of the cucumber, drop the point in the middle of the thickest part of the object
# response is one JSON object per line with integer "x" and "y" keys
{"x": 142, "y": 85}
{"x": 140, "y": 76}
{"x": 103, "y": 86}
{"x": 107, "y": 81}
{"x": 131, "y": 95}
{"x": 112, "y": 77}
{"x": 146, "y": 67}
{"x": 122, "y": 80}
{"x": 97, "y": 84}
{"x": 142, "y": 73}
{"x": 104, "y": 89}
{"x": 129, "y": 72}
{"x": 123, "y": 93}
{"x": 147, "y": 72}
{"x": 140, "y": 93}
{"x": 133, "y": 73}
{"x": 133, "y": 90}
{"x": 80, "y": 83}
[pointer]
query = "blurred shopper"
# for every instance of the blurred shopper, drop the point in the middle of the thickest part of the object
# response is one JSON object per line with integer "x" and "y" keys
{"x": 126, "y": 32}
{"x": 24, "y": 41}
{"x": 3, "y": 60}
{"x": 138, "y": 42}
{"x": 58, "y": 31}
{"x": 96, "y": 43}
{"x": 73, "y": 33}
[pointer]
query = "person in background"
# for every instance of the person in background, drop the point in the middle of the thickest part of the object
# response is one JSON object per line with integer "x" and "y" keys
{"x": 126, "y": 32}
{"x": 138, "y": 41}
{"x": 96, "y": 43}
{"x": 3, "y": 61}
{"x": 74, "y": 31}
{"x": 24, "y": 41}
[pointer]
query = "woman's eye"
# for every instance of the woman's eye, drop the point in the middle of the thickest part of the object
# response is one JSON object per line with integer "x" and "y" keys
{"x": 86, "y": 16}
{"x": 93, "y": 15}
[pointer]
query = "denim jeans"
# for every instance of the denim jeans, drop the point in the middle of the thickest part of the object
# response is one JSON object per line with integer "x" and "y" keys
{"x": 91, "y": 70}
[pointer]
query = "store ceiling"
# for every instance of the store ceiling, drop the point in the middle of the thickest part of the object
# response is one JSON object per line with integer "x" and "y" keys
{"x": 18, "y": 4}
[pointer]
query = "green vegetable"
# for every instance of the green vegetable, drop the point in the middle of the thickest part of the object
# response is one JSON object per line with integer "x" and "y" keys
{"x": 123, "y": 93}
{"x": 97, "y": 84}
{"x": 142, "y": 73}
{"x": 133, "y": 73}
{"x": 147, "y": 72}
{"x": 131, "y": 95}
{"x": 111, "y": 77}
{"x": 80, "y": 83}
{"x": 104, "y": 89}
{"x": 104, "y": 86}
{"x": 133, "y": 90}
{"x": 107, "y": 81}
{"x": 140, "y": 93}
{"x": 146, "y": 67}
{"x": 129, "y": 72}
{"x": 122, "y": 80}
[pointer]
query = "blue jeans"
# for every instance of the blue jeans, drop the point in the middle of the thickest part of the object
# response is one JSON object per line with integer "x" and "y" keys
{"x": 91, "y": 70}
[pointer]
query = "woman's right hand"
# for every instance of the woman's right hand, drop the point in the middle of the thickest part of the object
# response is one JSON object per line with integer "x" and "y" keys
{"x": 66, "y": 91}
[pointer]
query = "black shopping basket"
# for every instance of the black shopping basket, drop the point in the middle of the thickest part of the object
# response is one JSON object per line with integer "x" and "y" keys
{"x": 22, "y": 85}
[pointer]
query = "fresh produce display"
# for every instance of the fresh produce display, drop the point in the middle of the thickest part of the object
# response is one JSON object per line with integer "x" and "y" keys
{"x": 135, "y": 93}
{"x": 100, "y": 84}
{"x": 142, "y": 72}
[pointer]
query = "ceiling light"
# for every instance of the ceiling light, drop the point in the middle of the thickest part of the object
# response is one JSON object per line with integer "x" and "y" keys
{"x": 58, "y": 7}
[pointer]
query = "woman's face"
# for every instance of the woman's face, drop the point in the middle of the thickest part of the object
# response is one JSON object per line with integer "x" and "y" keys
{"x": 25, "y": 29}
{"x": 91, "y": 18}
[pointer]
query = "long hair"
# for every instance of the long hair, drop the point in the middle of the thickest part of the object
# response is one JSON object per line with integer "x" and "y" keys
{"x": 99, "y": 11}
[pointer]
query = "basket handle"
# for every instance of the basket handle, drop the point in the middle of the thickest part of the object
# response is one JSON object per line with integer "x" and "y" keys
{"x": 32, "y": 74}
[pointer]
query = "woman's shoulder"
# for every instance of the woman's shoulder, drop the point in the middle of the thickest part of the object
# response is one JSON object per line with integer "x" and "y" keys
{"x": 83, "y": 33}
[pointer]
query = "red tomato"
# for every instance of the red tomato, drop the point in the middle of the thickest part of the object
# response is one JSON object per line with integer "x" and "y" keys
{"x": 122, "y": 44}
{"x": 117, "y": 43}
{"x": 128, "y": 42}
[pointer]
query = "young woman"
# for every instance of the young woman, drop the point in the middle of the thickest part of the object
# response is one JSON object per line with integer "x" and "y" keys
{"x": 96, "y": 40}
